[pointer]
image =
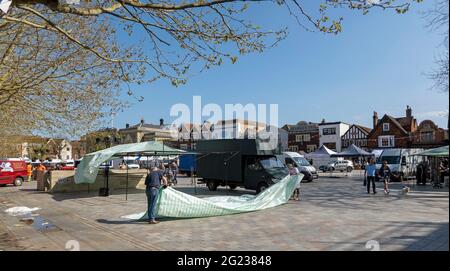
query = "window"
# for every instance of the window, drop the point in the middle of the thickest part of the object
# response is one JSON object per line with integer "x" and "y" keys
{"x": 183, "y": 146}
{"x": 307, "y": 137}
{"x": 427, "y": 136}
{"x": 329, "y": 131}
{"x": 302, "y": 138}
{"x": 386, "y": 141}
{"x": 68, "y": 149}
{"x": 330, "y": 145}
{"x": 386, "y": 127}
{"x": 67, "y": 157}
{"x": 311, "y": 148}
{"x": 293, "y": 148}
{"x": 289, "y": 161}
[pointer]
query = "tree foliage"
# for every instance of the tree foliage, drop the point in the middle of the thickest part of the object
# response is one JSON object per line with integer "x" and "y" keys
{"x": 437, "y": 20}
{"x": 62, "y": 67}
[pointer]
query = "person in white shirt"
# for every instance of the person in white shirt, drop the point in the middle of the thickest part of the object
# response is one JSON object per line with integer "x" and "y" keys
{"x": 294, "y": 171}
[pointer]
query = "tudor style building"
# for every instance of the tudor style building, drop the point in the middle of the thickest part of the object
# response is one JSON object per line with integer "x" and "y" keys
{"x": 391, "y": 132}
{"x": 357, "y": 135}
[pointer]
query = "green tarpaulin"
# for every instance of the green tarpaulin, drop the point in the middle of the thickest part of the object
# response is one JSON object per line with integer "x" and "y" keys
{"x": 437, "y": 152}
{"x": 88, "y": 168}
{"x": 175, "y": 204}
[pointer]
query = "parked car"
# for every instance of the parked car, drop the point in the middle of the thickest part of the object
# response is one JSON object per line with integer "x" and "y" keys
{"x": 341, "y": 166}
{"x": 12, "y": 172}
{"x": 323, "y": 168}
{"x": 133, "y": 166}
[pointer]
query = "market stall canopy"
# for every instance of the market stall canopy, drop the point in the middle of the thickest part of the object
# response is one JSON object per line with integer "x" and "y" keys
{"x": 88, "y": 168}
{"x": 377, "y": 153}
{"x": 323, "y": 151}
{"x": 437, "y": 152}
{"x": 353, "y": 151}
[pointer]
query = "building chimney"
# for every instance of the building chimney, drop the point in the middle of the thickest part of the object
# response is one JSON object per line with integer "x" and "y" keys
{"x": 161, "y": 122}
{"x": 323, "y": 120}
{"x": 375, "y": 119}
{"x": 142, "y": 121}
{"x": 127, "y": 125}
{"x": 408, "y": 112}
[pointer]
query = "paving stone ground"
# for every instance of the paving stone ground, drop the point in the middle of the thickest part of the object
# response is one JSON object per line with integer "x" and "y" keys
{"x": 334, "y": 213}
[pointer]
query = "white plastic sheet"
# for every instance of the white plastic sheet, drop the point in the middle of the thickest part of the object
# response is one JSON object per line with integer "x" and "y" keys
{"x": 176, "y": 204}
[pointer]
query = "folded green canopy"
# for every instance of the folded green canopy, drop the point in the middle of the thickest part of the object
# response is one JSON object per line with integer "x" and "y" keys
{"x": 88, "y": 168}
{"x": 437, "y": 152}
{"x": 176, "y": 204}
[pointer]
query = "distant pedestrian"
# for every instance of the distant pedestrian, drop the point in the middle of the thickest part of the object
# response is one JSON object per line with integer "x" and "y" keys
{"x": 385, "y": 174}
{"x": 153, "y": 184}
{"x": 174, "y": 169}
{"x": 419, "y": 174}
{"x": 294, "y": 171}
{"x": 371, "y": 171}
{"x": 29, "y": 172}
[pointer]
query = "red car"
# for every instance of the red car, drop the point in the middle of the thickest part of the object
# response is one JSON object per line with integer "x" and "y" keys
{"x": 12, "y": 172}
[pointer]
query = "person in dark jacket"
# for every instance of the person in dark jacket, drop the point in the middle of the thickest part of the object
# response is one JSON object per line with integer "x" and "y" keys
{"x": 385, "y": 174}
{"x": 153, "y": 183}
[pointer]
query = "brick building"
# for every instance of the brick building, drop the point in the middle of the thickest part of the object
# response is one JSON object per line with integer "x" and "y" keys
{"x": 303, "y": 136}
{"x": 429, "y": 135}
{"x": 391, "y": 132}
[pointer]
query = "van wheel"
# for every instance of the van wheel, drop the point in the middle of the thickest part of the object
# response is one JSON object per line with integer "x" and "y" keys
{"x": 349, "y": 169}
{"x": 18, "y": 181}
{"x": 261, "y": 187}
{"x": 212, "y": 185}
{"x": 232, "y": 186}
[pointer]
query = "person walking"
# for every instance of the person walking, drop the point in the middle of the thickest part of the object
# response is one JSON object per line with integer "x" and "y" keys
{"x": 294, "y": 171}
{"x": 385, "y": 175}
{"x": 153, "y": 184}
{"x": 371, "y": 171}
{"x": 30, "y": 172}
{"x": 174, "y": 169}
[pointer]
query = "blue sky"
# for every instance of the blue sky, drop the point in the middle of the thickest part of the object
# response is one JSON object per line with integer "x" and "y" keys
{"x": 379, "y": 62}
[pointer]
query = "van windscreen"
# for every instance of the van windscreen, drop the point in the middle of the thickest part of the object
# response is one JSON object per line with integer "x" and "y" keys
{"x": 271, "y": 162}
{"x": 301, "y": 162}
{"x": 389, "y": 159}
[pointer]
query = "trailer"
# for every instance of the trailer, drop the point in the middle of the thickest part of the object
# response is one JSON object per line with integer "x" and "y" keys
{"x": 238, "y": 163}
{"x": 187, "y": 164}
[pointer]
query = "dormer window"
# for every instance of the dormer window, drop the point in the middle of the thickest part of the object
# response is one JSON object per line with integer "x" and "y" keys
{"x": 386, "y": 127}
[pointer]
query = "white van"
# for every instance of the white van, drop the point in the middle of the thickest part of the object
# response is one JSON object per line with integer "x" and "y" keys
{"x": 301, "y": 163}
{"x": 402, "y": 162}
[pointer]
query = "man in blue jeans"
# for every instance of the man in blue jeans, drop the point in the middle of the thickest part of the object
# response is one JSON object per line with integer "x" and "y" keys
{"x": 153, "y": 183}
{"x": 371, "y": 170}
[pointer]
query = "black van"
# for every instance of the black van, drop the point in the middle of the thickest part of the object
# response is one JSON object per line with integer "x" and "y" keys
{"x": 238, "y": 162}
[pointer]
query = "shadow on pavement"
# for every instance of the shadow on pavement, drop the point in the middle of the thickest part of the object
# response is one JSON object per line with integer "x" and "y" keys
{"x": 92, "y": 194}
